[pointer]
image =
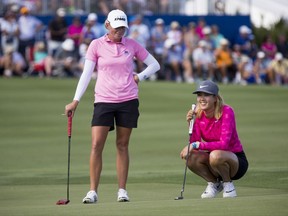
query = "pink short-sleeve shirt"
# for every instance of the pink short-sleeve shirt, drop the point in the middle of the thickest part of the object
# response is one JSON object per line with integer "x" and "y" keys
{"x": 115, "y": 66}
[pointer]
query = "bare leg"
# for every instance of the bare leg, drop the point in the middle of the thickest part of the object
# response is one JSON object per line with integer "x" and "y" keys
{"x": 199, "y": 164}
{"x": 122, "y": 161}
{"x": 224, "y": 163}
{"x": 99, "y": 135}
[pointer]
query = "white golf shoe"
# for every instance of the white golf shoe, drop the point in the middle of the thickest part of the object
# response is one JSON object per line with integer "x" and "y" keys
{"x": 90, "y": 198}
{"x": 122, "y": 195}
{"x": 212, "y": 190}
{"x": 229, "y": 190}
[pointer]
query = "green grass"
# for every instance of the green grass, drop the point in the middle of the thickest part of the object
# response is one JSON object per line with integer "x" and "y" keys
{"x": 33, "y": 152}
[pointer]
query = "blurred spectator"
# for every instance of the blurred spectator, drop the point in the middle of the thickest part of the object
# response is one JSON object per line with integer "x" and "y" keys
{"x": 238, "y": 61}
{"x": 158, "y": 36}
{"x": 261, "y": 68}
{"x": 175, "y": 32}
{"x": 246, "y": 70}
{"x": 278, "y": 70}
{"x": 92, "y": 29}
{"x": 66, "y": 61}
{"x": 29, "y": 26}
{"x": 243, "y": 39}
{"x": 282, "y": 45}
{"x": 74, "y": 31}
{"x": 9, "y": 31}
{"x": 254, "y": 48}
{"x": 57, "y": 30}
{"x": 140, "y": 32}
{"x": 216, "y": 36}
{"x": 207, "y": 37}
{"x": 173, "y": 58}
{"x": 190, "y": 43}
{"x": 43, "y": 63}
{"x": 224, "y": 62}
{"x": 201, "y": 23}
{"x": 203, "y": 60}
{"x": 269, "y": 47}
{"x": 12, "y": 62}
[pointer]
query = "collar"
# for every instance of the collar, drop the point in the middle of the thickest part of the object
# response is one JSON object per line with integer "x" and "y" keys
{"x": 123, "y": 40}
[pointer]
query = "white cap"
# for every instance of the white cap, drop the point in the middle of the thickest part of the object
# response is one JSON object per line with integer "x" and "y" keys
{"x": 68, "y": 44}
{"x": 244, "y": 30}
{"x": 245, "y": 59}
{"x": 260, "y": 54}
{"x": 159, "y": 21}
{"x": 92, "y": 17}
{"x": 224, "y": 41}
{"x": 278, "y": 56}
{"x": 169, "y": 43}
{"x": 206, "y": 30}
{"x": 61, "y": 12}
{"x": 117, "y": 18}
{"x": 174, "y": 24}
{"x": 202, "y": 43}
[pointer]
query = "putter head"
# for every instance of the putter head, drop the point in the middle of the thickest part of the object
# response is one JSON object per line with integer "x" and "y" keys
{"x": 63, "y": 202}
{"x": 179, "y": 198}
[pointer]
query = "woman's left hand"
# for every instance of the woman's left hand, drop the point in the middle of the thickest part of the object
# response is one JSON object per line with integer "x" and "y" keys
{"x": 184, "y": 153}
{"x": 136, "y": 78}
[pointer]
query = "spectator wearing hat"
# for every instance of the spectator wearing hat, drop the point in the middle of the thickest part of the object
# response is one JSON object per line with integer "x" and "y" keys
{"x": 243, "y": 39}
{"x": 65, "y": 59}
{"x": 278, "y": 70}
{"x": 204, "y": 61}
{"x": 175, "y": 32}
{"x": 140, "y": 32}
{"x": 29, "y": 26}
{"x": 9, "y": 31}
{"x": 260, "y": 68}
{"x": 158, "y": 36}
{"x": 207, "y": 37}
{"x": 92, "y": 29}
{"x": 172, "y": 56}
{"x": 12, "y": 62}
{"x": 42, "y": 62}
{"x": 224, "y": 62}
{"x": 57, "y": 30}
{"x": 246, "y": 71}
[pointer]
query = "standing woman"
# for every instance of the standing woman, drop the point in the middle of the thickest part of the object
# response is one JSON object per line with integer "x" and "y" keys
{"x": 216, "y": 153}
{"x": 116, "y": 96}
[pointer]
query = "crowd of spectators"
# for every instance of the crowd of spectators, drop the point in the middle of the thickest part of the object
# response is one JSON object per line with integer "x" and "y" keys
{"x": 187, "y": 53}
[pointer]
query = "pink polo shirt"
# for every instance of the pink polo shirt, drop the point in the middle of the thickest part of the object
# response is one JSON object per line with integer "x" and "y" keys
{"x": 115, "y": 65}
{"x": 216, "y": 134}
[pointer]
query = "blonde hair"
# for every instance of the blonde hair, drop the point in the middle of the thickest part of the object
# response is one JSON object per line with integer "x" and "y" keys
{"x": 218, "y": 108}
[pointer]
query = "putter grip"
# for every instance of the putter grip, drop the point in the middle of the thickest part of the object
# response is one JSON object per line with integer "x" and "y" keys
{"x": 69, "y": 124}
{"x": 192, "y": 120}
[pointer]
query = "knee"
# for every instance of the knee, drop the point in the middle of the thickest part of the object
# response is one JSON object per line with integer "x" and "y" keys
{"x": 122, "y": 146}
{"x": 195, "y": 161}
{"x": 215, "y": 158}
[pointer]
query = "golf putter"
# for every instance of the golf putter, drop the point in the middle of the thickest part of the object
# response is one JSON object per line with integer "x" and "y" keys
{"x": 185, "y": 171}
{"x": 69, "y": 127}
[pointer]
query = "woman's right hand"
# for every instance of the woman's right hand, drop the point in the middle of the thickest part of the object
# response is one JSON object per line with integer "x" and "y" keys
{"x": 189, "y": 115}
{"x": 71, "y": 107}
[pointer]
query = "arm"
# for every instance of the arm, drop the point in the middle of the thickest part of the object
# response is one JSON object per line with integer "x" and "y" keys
{"x": 152, "y": 67}
{"x": 82, "y": 86}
